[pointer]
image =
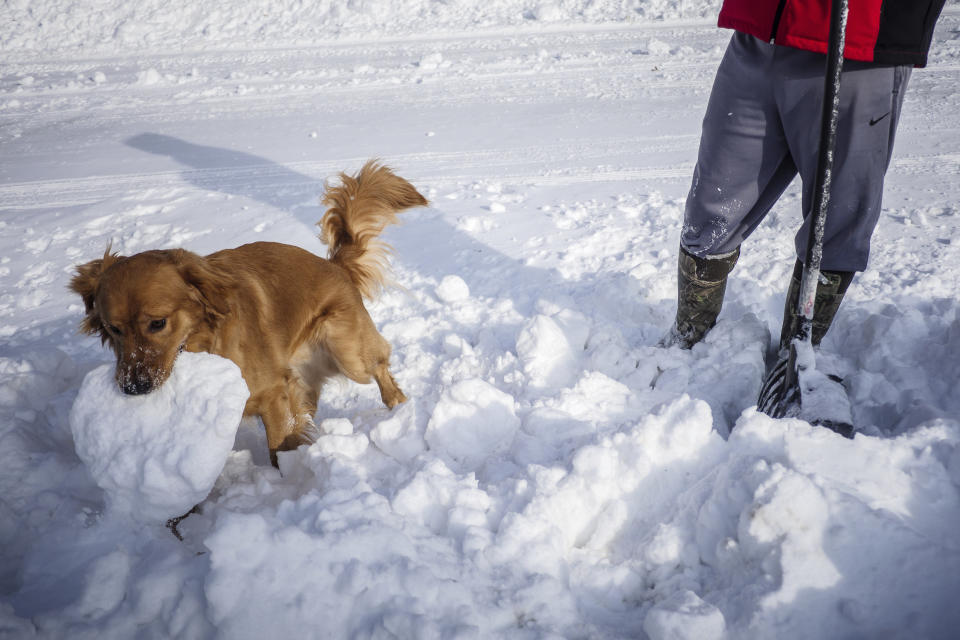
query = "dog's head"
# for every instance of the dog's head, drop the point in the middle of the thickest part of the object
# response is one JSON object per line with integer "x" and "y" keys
{"x": 146, "y": 307}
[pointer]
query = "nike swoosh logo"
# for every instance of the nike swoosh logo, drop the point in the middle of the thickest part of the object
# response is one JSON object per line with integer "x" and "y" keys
{"x": 873, "y": 122}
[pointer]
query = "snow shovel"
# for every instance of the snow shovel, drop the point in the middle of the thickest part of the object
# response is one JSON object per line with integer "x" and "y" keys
{"x": 793, "y": 387}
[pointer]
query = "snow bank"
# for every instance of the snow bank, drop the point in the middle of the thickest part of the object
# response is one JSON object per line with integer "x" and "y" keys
{"x": 807, "y": 521}
{"x": 159, "y": 454}
{"x": 661, "y": 528}
{"x": 485, "y": 517}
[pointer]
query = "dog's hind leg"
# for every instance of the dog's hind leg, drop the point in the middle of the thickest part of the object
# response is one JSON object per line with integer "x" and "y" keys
{"x": 361, "y": 354}
{"x": 377, "y": 367}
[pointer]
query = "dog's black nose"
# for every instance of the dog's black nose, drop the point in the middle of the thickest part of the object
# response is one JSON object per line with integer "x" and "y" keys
{"x": 137, "y": 387}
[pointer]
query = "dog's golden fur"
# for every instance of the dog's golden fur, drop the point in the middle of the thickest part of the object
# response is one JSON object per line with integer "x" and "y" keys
{"x": 286, "y": 317}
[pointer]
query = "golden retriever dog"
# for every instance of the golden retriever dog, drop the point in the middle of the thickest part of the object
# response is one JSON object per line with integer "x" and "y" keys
{"x": 287, "y": 318}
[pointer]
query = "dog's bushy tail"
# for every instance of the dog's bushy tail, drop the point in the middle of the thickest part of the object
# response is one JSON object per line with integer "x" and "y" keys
{"x": 359, "y": 208}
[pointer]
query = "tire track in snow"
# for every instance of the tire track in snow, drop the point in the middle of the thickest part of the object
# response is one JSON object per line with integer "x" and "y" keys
{"x": 524, "y": 66}
{"x": 520, "y": 165}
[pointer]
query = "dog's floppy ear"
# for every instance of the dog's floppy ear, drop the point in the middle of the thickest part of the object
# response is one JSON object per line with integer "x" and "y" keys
{"x": 212, "y": 285}
{"x": 86, "y": 283}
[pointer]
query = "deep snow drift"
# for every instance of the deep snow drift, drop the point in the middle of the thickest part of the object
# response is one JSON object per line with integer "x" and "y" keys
{"x": 554, "y": 474}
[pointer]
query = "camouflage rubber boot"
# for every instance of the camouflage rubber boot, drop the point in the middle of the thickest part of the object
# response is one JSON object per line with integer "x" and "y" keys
{"x": 830, "y": 290}
{"x": 701, "y": 283}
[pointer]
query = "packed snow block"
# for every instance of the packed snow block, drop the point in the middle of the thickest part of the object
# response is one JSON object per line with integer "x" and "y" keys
{"x": 453, "y": 289}
{"x": 684, "y": 616}
{"x": 551, "y": 348}
{"x": 157, "y": 455}
{"x": 473, "y": 422}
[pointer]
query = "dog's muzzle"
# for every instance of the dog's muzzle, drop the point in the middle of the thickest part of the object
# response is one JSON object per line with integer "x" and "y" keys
{"x": 137, "y": 387}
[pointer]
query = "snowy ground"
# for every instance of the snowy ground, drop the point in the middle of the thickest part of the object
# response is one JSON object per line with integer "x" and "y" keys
{"x": 555, "y": 474}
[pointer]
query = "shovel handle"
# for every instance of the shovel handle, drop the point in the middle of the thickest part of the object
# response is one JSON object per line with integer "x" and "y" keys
{"x": 830, "y": 115}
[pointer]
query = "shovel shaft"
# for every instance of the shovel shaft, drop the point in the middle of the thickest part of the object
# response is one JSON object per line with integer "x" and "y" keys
{"x": 821, "y": 189}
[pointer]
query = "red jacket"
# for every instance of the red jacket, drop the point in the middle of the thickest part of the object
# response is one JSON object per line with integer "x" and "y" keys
{"x": 882, "y": 31}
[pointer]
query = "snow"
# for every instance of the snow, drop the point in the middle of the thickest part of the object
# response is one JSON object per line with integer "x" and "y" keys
{"x": 555, "y": 473}
{"x": 157, "y": 455}
{"x": 471, "y": 423}
{"x": 684, "y": 616}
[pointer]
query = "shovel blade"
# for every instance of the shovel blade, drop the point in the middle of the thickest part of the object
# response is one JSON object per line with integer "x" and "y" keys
{"x": 780, "y": 393}
{"x": 794, "y": 388}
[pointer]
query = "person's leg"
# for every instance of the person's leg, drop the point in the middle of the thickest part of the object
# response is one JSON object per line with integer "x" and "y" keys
{"x": 743, "y": 167}
{"x": 743, "y": 164}
{"x": 870, "y": 102}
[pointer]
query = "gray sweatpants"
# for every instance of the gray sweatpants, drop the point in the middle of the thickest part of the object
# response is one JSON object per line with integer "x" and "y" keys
{"x": 762, "y": 128}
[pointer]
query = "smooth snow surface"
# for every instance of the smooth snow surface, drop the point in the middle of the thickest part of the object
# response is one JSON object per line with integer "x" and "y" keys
{"x": 554, "y": 474}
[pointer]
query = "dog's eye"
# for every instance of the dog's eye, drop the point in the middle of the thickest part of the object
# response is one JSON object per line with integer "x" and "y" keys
{"x": 114, "y": 330}
{"x": 158, "y": 325}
